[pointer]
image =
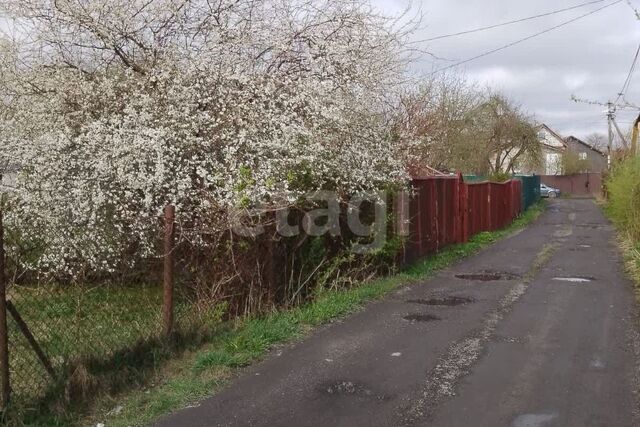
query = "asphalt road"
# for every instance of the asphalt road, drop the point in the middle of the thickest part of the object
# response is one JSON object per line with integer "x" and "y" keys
{"x": 552, "y": 342}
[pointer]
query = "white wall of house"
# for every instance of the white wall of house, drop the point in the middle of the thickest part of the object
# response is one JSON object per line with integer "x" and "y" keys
{"x": 552, "y": 163}
{"x": 553, "y": 147}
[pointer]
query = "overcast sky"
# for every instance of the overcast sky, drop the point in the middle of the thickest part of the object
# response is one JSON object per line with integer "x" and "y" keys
{"x": 589, "y": 58}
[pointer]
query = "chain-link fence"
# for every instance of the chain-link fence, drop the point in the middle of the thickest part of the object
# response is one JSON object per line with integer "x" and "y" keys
{"x": 63, "y": 341}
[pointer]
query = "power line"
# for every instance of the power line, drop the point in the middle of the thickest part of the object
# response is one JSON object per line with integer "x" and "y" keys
{"x": 634, "y": 9}
{"x": 516, "y": 21}
{"x": 555, "y": 27}
{"x": 627, "y": 81}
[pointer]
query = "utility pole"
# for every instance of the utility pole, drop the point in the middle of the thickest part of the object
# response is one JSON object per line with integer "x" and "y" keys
{"x": 611, "y": 114}
{"x": 634, "y": 137}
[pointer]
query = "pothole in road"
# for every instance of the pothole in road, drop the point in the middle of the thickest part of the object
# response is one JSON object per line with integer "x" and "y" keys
{"x": 349, "y": 388}
{"x": 487, "y": 276}
{"x": 510, "y": 340}
{"x": 443, "y": 301}
{"x": 421, "y": 317}
{"x": 591, "y": 226}
{"x": 575, "y": 279}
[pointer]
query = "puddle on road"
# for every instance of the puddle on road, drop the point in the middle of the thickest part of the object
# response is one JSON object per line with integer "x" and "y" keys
{"x": 488, "y": 276}
{"x": 575, "y": 279}
{"x": 442, "y": 301}
{"x": 533, "y": 420}
{"x": 421, "y": 317}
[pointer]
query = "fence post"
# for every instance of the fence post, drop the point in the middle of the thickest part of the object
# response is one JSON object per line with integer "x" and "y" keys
{"x": 5, "y": 386}
{"x": 463, "y": 208}
{"x": 169, "y": 260}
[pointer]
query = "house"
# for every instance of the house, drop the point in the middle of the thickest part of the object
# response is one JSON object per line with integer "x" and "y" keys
{"x": 596, "y": 160}
{"x": 553, "y": 147}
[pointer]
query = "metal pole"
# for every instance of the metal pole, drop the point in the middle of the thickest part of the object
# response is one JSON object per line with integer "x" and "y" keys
{"x": 22, "y": 325}
{"x": 634, "y": 137}
{"x": 5, "y": 387}
{"x": 167, "y": 306}
{"x": 610, "y": 145}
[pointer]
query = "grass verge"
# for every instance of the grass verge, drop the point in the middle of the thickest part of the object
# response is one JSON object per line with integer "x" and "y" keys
{"x": 631, "y": 255}
{"x": 623, "y": 208}
{"x": 200, "y": 373}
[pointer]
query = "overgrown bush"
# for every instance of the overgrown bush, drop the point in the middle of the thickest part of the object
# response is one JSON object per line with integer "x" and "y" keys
{"x": 624, "y": 197}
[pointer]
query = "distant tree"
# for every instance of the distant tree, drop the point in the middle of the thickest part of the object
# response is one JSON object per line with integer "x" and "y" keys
{"x": 503, "y": 137}
{"x": 451, "y": 125}
{"x": 571, "y": 163}
{"x": 598, "y": 141}
{"x": 432, "y": 120}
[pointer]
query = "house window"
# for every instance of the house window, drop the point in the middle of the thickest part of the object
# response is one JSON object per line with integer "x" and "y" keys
{"x": 583, "y": 156}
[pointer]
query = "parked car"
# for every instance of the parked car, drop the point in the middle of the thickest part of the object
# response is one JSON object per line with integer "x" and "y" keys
{"x": 546, "y": 191}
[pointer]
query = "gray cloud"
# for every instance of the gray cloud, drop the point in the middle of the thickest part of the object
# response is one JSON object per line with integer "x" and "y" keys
{"x": 589, "y": 58}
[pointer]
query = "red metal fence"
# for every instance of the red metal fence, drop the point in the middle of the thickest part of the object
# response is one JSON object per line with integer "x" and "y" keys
{"x": 578, "y": 185}
{"x": 446, "y": 210}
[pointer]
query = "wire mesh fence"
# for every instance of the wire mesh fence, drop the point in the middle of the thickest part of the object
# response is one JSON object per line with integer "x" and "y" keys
{"x": 61, "y": 337}
{"x": 74, "y": 323}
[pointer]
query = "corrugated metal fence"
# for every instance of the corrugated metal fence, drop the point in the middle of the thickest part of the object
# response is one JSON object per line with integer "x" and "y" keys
{"x": 530, "y": 189}
{"x": 446, "y": 210}
{"x": 579, "y": 185}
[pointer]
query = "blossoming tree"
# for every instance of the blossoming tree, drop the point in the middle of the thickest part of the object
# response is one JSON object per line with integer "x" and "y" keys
{"x": 115, "y": 108}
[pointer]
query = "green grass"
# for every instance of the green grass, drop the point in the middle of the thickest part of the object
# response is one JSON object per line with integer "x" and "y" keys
{"x": 100, "y": 337}
{"x": 201, "y": 372}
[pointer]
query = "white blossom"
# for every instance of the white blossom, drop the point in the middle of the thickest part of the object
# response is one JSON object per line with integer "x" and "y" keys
{"x": 114, "y": 108}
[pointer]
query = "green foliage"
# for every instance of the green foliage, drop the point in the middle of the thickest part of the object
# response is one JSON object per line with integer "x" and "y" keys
{"x": 245, "y": 183}
{"x": 624, "y": 197}
{"x": 500, "y": 176}
{"x": 107, "y": 333}
{"x": 301, "y": 178}
{"x": 623, "y": 208}
{"x": 573, "y": 164}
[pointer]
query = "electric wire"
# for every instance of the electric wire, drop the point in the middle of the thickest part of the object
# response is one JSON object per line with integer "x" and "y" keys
{"x": 516, "y": 21}
{"x": 532, "y": 36}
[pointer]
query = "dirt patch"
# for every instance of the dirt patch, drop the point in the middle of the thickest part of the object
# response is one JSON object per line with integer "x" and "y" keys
{"x": 421, "y": 317}
{"x": 442, "y": 301}
{"x": 487, "y": 276}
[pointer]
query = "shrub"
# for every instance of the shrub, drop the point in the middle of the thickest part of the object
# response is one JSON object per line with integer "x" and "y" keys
{"x": 624, "y": 196}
